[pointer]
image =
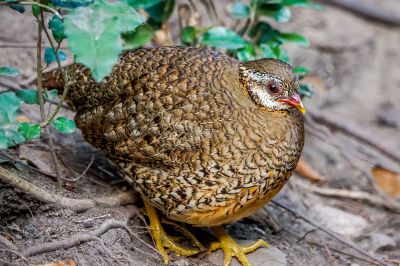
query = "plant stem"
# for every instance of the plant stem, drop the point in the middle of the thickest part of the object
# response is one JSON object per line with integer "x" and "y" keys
{"x": 64, "y": 75}
{"x": 41, "y": 98}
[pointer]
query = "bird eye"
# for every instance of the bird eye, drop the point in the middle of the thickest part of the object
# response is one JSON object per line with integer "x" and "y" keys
{"x": 273, "y": 88}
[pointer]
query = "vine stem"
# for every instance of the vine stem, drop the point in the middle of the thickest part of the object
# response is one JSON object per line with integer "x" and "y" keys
{"x": 41, "y": 99}
{"x": 64, "y": 75}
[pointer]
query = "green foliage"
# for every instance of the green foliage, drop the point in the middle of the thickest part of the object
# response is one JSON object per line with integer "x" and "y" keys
{"x": 71, "y": 3}
{"x": 301, "y": 71}
{"x": 9, "y": 135}
{"x": 9, "y": 71}
{"x": 28, "y": 96}
{"x": 161, "y": 11}
{"x": 35, "y": 10}
{"x": 29, "y": 131}
{"x": 143, "y": 3}
{"x": 64, "y": 125}
{"x": 94, "y": 34}
{"x": 221, "y": 37}
{"x": 16, "y": 6}
{"x": 50, "y": 57}
{"x": 137, "y": 38}
{"x": 189, "y": 35}
{"x": 57, "y": 28}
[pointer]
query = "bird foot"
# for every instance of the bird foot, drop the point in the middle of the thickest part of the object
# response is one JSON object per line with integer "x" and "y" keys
{"x": 163, "y": 240}
{"x": 232, "y": 249}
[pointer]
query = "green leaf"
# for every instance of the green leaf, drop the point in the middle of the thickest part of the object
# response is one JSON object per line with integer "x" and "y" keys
{"x": 9, "y": 71}
{"x": 50, "y": 56}
{"x": 64, "y": 125}
{"x": 57, "y": 28}
{"x": 262, "y": 32}
{"x": 35, "y": 10}
{"x": 221, "y": 37}
{"x": 162, "y": 11}
{"x": 247, "y": 53}
{"x": 28, "y": 96}
{"x": 293, "y": 37}
{"x": 17, "y": 7}
{"x": 240, "y": 10}
{"x": 94, "y": 34}
{"x": 306, "y": 90}
{"x": 50, "y": 94}
{"x": 279, "y": 12}
{"x": 10, "y": 133}
{"x": 29, "y": 131}
{"x": 9, "y": 105}
{"x": 301, "y": 71}
{"x": 188, "y": 35}
{"x": 71, "y": 3}
{"x": 135, "y": 39}
{"x": 274, "y": 50}
{"x": 142, "y": 3}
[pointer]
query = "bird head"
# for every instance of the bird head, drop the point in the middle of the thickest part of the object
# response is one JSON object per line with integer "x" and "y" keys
{"x": 272, "y": 84}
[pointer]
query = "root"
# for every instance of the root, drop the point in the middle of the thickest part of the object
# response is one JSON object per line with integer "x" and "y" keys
{"x": 122, "y": 198}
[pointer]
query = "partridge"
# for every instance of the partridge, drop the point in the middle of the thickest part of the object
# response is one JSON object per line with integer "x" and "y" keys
{"x": 204, "y": 138}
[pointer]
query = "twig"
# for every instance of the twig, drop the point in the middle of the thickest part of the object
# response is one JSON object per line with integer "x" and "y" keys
{"x": 343, "y": 193}
{"x": 64, "y": 75}
{"x": 367, "y": 10}
{"x": 342, "y": 240}
{"x": 354, "y": 131}
{"x": 123, "y": 198}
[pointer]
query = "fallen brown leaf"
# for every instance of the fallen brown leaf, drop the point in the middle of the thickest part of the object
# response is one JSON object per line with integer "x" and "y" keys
{"x": 387, "y": 180}
{"x": 22, "y": 118}
{"x": 70, "y": 262}
{"x": 305, "y": 170}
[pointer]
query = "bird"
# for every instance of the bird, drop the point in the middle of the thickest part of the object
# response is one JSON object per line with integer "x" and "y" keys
{"x": 204, "y": 138}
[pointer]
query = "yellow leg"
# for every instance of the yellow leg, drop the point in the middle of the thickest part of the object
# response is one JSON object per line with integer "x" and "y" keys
{"x": 161, "y": 239}
{"x": 232, "y": 249}
{"x": 185, "y": 232}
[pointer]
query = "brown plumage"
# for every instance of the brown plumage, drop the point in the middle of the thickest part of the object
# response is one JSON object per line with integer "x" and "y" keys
{"x": 190, "y": 130}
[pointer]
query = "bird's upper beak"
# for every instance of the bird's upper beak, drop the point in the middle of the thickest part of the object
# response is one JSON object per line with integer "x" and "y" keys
{"x": 295, "y": 101}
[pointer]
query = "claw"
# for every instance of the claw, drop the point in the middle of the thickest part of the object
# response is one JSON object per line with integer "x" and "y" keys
{"x": 162, "y": 240}
{"x": 232, "y": 249}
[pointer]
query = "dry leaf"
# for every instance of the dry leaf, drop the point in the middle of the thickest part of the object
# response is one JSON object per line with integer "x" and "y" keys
{"x": 22, "y": 118}
{"x": 70, "y": 262}
{"x": 41, "y": 159}
{"x": 305, "y": 170}
{"x": 387, "y": 180}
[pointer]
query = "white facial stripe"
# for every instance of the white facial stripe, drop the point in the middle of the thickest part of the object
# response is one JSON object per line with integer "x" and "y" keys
{"x": 265, "y": 99}
{"x": 261, "y": 77}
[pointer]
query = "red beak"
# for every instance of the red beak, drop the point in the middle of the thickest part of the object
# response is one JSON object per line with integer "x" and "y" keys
{"x": 295, "y": 101}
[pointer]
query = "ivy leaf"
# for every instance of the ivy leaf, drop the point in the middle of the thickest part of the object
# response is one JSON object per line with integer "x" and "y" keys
{"x": 301, "y": 71}
{"x": 280, "y": 13}
{"x": 71, "y": 3}
{"x": 64, "y": 125}
{"x": 28, "y": 96}
{"x": 221, "y": 37}
{"x": 17, "y": 7}
{"x": 9, "y": 105}
{"x": 57, "y": 28}
{"x": 293, "y": 37}
{"x": 50, "y": 56}
{"x": 306, "y": 90}
{"x": 135, "y": 39}
{"x": 240, "y": 10}
{"x": 188, "y": 35}
{"x": 36, "y": 10}
{"x": 29, "y": 131}
{"x": 94, "y": 34}
{"x": 9, "y": 71}
{"x": 142, "y": 3}
{"x": 274, "y": 50}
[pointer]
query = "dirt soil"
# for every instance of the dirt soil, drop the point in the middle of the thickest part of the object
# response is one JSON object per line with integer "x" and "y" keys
{"x": 355, "y": 68}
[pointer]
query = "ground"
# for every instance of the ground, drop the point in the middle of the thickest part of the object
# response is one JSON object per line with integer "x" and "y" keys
{"x": 354, "y": 65}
